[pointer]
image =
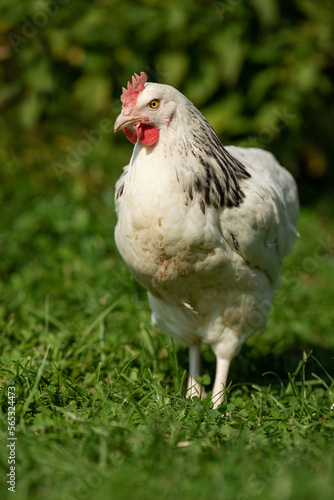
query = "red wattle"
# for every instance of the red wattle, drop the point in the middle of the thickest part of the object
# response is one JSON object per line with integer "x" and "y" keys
{"x": 130, "y": 135}
{"x": 147, "y": 134}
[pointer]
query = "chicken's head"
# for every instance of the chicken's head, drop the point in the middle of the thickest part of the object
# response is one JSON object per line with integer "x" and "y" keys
{"x": 147, "y": 108}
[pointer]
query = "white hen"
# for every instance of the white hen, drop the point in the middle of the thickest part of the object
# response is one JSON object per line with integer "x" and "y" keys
{"x": 204, "y": 228}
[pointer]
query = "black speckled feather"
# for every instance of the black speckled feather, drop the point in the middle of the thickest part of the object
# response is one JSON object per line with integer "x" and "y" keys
{"x": 217, "y": 180}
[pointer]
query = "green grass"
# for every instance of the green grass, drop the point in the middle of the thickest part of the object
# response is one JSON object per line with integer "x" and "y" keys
{"x": 100, "y": 407}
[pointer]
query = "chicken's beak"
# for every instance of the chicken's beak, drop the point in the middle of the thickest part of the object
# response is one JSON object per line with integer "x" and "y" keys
{"x": 126, "y": 119}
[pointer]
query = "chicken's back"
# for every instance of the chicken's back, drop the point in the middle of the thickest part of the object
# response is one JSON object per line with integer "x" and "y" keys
{"x": 264, "y": 226}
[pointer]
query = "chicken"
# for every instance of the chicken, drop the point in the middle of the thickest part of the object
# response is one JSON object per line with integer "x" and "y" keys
{"x": 203, "y": 227}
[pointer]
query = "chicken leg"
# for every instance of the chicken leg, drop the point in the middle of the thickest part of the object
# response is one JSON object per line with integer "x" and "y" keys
{"x": 218, "y": 392}
{"x": 194, "y": 387}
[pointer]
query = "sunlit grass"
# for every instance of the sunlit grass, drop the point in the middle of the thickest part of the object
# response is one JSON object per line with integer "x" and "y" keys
{"x": 100, "y": 404}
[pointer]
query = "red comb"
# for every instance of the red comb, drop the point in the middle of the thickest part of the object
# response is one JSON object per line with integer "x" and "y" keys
{"x": 130, "y": 94}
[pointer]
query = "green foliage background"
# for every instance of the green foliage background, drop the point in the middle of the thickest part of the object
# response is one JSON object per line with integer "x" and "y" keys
{"x": 99, "y": 397}
{"x": 260, "y": 70}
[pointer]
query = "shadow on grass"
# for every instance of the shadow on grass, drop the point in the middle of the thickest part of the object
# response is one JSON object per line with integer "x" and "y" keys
{"x": 251, "y": 366}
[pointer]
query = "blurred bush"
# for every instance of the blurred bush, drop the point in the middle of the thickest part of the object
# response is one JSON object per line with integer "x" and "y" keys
{"x": 260, "y": 70}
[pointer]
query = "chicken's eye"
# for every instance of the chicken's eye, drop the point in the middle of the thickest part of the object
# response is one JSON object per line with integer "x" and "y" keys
{"x": 154, "y": 104}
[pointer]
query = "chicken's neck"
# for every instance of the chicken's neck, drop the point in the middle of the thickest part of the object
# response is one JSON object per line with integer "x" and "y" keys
{"x": 190, "y": 153}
